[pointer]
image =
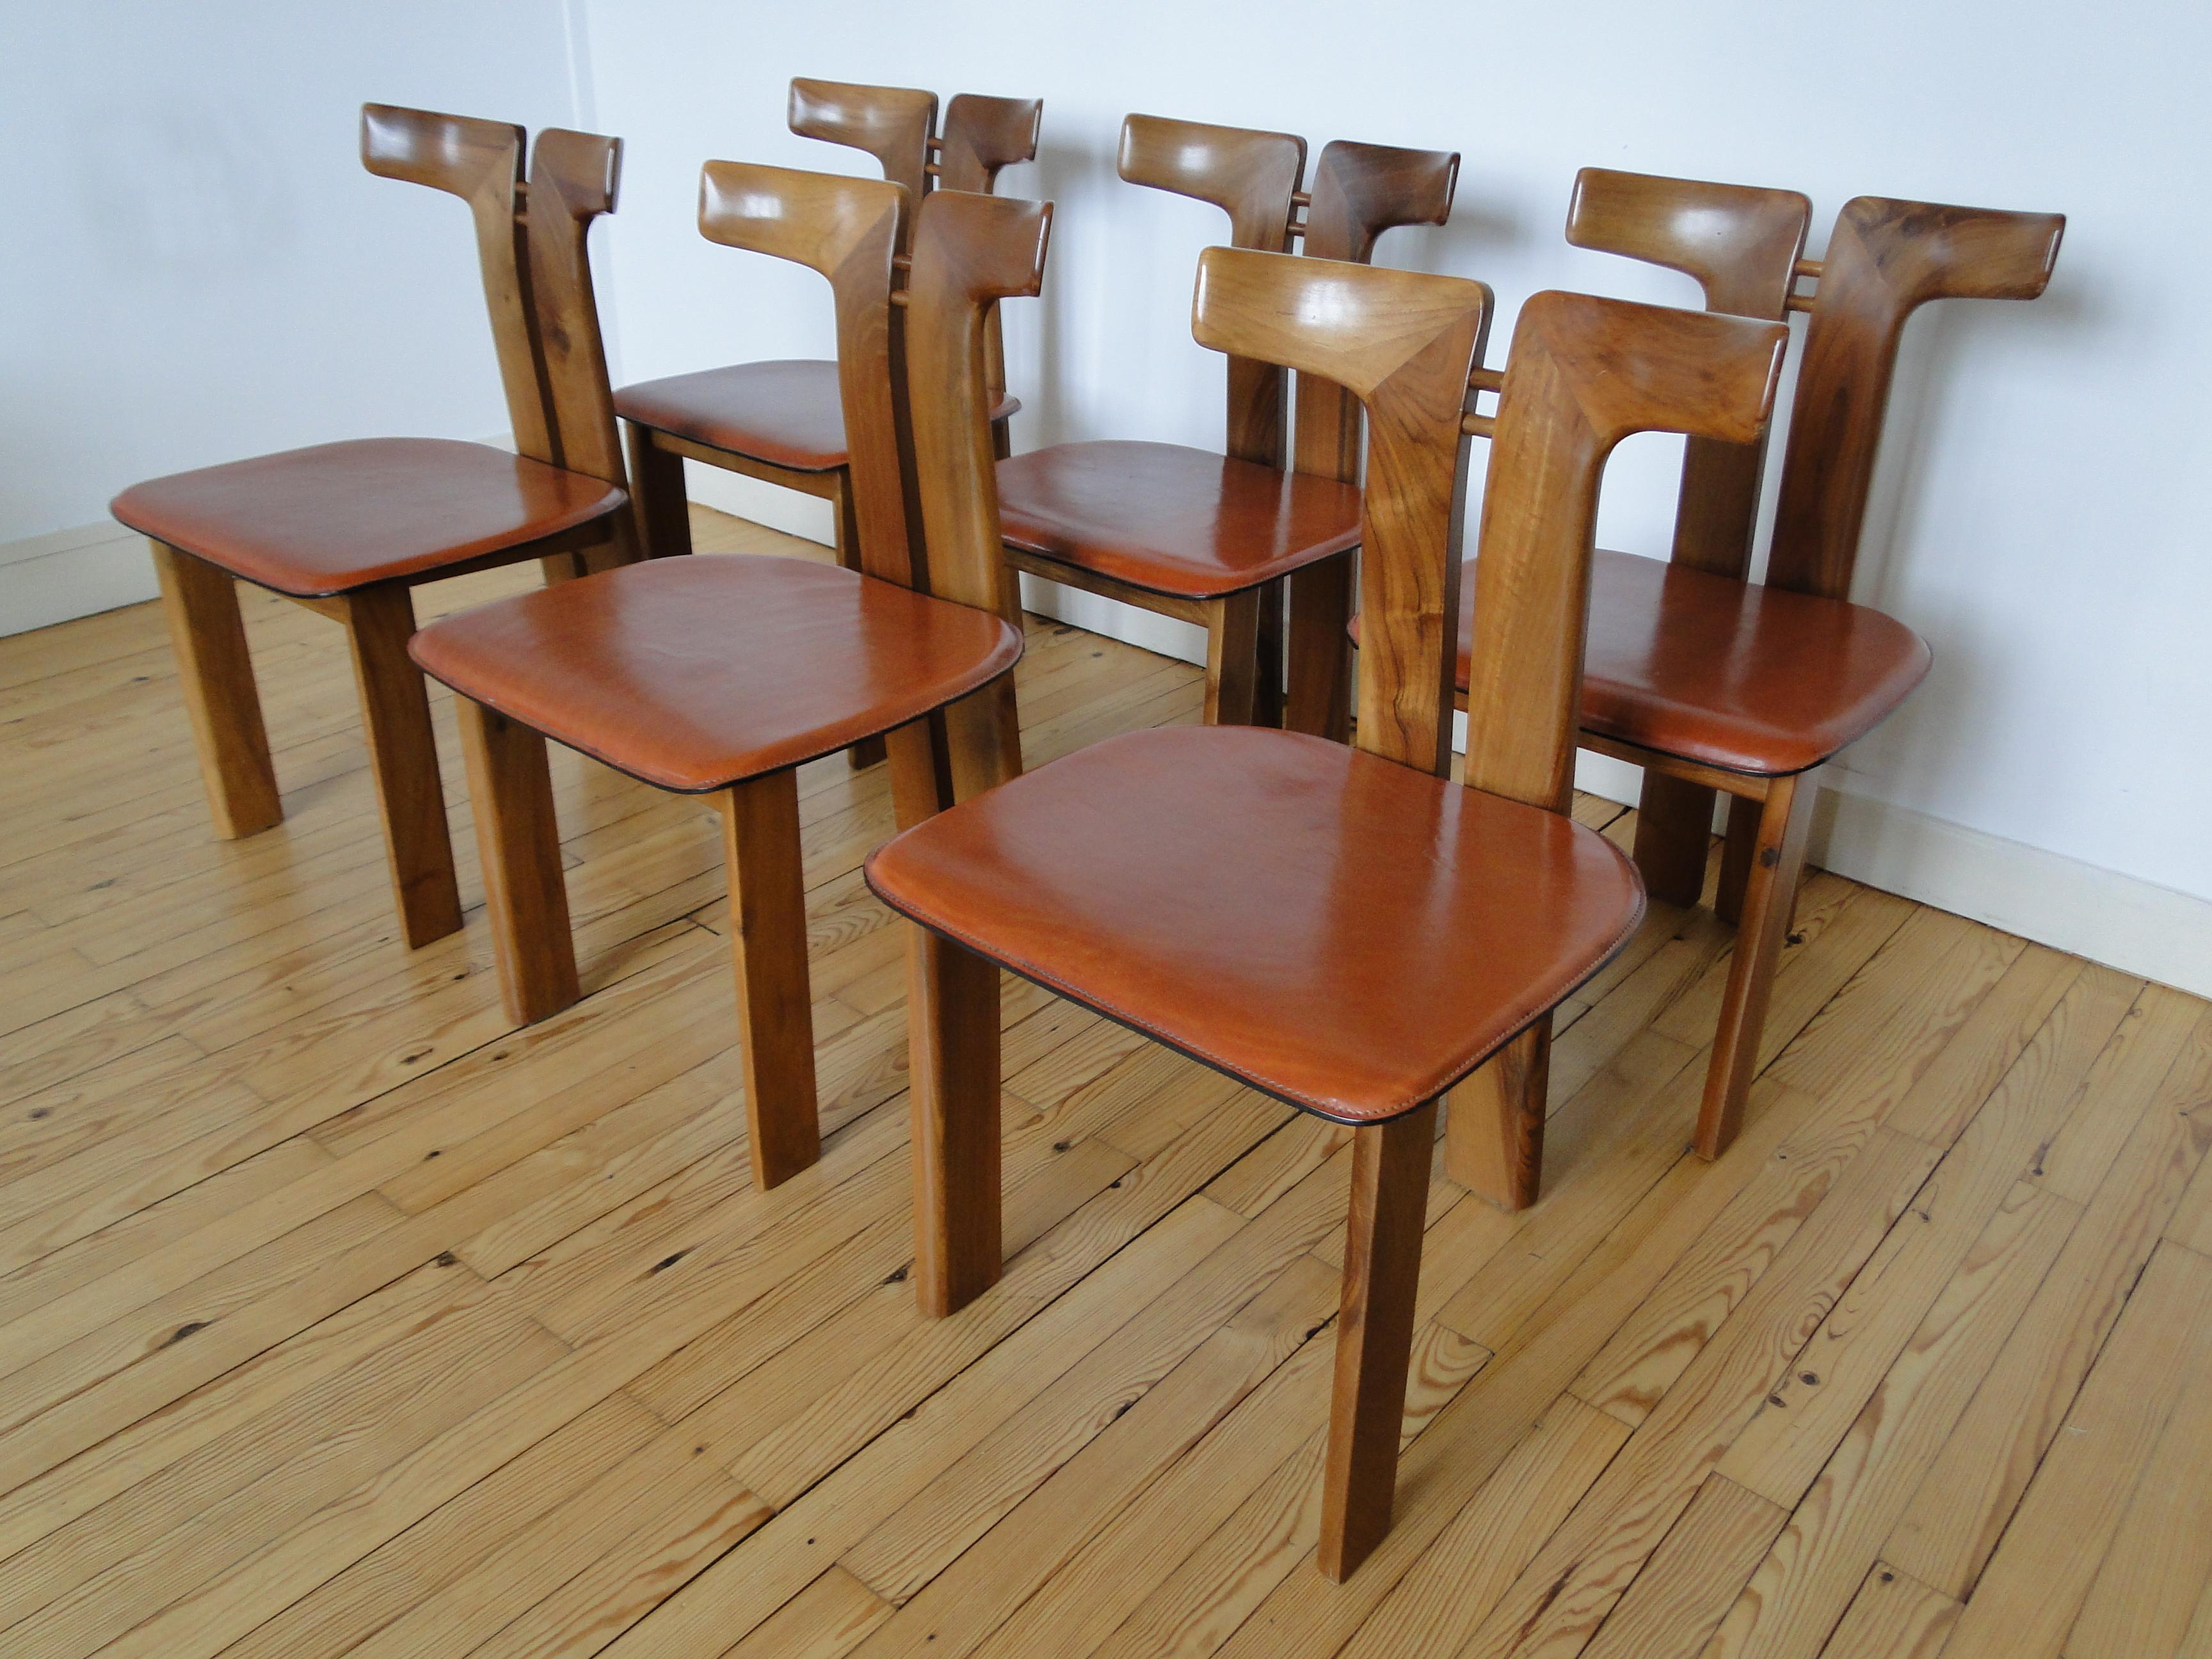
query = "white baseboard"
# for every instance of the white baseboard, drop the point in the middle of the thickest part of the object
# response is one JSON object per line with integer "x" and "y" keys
{"x": 66, "y": 574}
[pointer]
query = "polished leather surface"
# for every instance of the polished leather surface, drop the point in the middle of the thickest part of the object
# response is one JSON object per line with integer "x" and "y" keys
{"x": 1337, "y": 930}
{"x": 1731, "y": 674}
{"x": 1171, "y": 520}
{"x": 696, "y": 672}
{"x": 314, "y": 522}
{"x": 786, "y": 413}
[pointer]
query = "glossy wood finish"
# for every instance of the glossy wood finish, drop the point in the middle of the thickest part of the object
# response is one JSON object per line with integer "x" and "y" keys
{"x": 767, "y": 948}
{"x": 1586, "y": 374}
{"x": 895, "y": 125}
{"x": 1359, "y": 190}
{"x": 1742, "y": 245}
{"x": 215, "y": 674}
{"x": 518, "y": 842}
{"x": 538, "y": 289}
{"x": 1885, "y": 259}
{"x": 1583, "y": 373}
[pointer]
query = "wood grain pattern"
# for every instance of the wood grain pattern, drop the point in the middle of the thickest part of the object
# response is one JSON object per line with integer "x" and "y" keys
{"x": 1119, "y": 1451}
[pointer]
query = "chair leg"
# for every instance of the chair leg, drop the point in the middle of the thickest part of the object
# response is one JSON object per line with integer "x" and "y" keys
{"x": 1002, "y": 439}
{"x": 217, "y": 673}
{"x": 983, "y": 738}
{"x": 952, "y": 1020}
{"x": 1494, "y": 1122}
{"x": 1735, "y": 858}
{"x": 768, "y": 945}
{"x": 402, "y": 755}
{"x": 519, "y": 843}
{"x": 1374, "y": 1336}
{"x": 1268, "y": 691}
{"x": 1674, "y": 830}
{"x": 1319, "y": 699}
{"x": 656, "y": 489}
{"x": 1770, "y": 894}
{"x": 846, "y": 522}
{"x": 1232, "y": 659}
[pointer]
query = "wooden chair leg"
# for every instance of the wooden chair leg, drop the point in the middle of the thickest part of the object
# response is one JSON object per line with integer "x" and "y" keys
{"x": 1374, "y": 1336}
{"x": 1232, "y": 659}
{"x": 1673, "y": 831}
{"x": 519, "y": 843}
{"x": 656, "y": 489}
{"x": 1735, "y": 858}
{"x": 1002, "y": 439}
{"x": 768, "y": 945}
{"x": 217, "y": 673}
{"x": 952, "y": 1021}
{"x": 1494, "y": 1122}
{"x": 983, "y": 738}
{"x": 847, "y": 526}
{"x": 1268, "y": 691}
{"x": 402, "y": 755}
{"x": 1319, "y": 699}
{"x": 1770, "y": 893}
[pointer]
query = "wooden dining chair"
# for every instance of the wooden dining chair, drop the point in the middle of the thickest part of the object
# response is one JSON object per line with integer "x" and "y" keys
{"x": 1710, "y": 682}
{"x": 1344, "y": 929}
{"x": 1213, "y": 538}
{"x": 347, "y": 530}
{"x": 721, "y": 676}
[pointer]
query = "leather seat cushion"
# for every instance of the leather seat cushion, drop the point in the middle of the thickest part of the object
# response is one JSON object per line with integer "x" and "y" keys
{"x": 694, "y": 673}
{"x": 315, "y": 522}
{"x": 1171, "y": 520}
{"x": 1340, "y": 931}
{"x": 787, "y": 413}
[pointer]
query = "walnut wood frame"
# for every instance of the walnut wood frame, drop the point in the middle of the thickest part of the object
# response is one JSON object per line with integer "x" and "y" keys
{"x": 537, "y": 288}
{"x": 897, "y": 126}
{"x": 1584, "y": 373}
{"x": 1359, "y": 190}
{"x": 1885, "y": 259}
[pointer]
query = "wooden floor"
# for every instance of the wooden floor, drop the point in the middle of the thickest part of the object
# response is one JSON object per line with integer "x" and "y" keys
{"x": 336, "y": 1317}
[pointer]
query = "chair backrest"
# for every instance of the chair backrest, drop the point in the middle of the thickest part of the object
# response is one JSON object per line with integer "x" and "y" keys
{"x": 895, "y": 125}
{"x": 969, "y": 253}
{"x": 1359, "y": 190}
{"x": 1254, "y": 177}
{"x": 1885, "y": 259}
{"x": 984, "y": 135}
{"x": 849, "y": 230}
{"x": 1742, "y": 244}
{"x": 1583, "y": 373}
{"x": 537, "y": 270}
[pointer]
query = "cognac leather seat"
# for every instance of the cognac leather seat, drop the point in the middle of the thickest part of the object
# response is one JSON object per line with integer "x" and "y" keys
{"x": 319, "y": 521}
{"x": 786, "y": 413}
{"x": 642, "y": 667}
{"x": 1171, "y": 520}
{"x": 1336, "y": 930}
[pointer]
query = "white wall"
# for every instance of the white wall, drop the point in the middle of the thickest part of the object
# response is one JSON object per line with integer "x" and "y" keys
{"x": 211, "y": 275}
{"x": 199, "y": 269}
{"x": 2039, "y": 515}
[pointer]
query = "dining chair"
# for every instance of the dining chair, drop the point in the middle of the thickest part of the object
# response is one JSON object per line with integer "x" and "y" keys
{"x": 347, "y": 530}
{"x": 1342, "y": 928}
{"x": 1710, "y": 680}
{"x": 721, "y": 676}
{"x": 1213, "y": 538}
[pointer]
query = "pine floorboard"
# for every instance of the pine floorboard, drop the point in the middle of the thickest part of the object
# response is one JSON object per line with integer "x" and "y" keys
{"x": 338, "y": 1317}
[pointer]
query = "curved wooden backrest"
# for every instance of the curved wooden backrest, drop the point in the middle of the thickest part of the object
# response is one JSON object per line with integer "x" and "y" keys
{"x": 573, "y": 179}
{"x": 1583, "y": 373}
{"x": 1885, "y": 260}
{"x": 984, "y": 135}
{"x": 480, "y": 162}
{"x": 1742, "y": 244}
{"x": 531, "y": 242}
{"x": 849, "y": 229}
{"x": 969, "y": 253}
{"x": 1252, "y": 177}
{"x": 892, "y": 123}
{"x": 1402, "y": 343}
{"x": 1359, "y": 190}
